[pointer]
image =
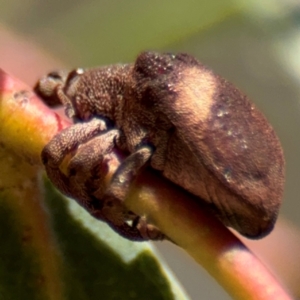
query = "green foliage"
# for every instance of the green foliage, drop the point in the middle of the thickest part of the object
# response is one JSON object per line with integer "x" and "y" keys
{"x": 91, "y": 265}
{"x": 100, "y": 32}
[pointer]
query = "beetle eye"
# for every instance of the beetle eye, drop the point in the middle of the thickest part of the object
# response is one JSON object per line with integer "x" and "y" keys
{"x": 55, "y": 75}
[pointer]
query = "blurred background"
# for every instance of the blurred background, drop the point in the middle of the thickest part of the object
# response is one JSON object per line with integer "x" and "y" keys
{"x": 253, "y": 43}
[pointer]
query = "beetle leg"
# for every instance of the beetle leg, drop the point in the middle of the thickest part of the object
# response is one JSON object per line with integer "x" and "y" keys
{"x": 65, "y": 101}
{"x": 113, "y": 199}
{"x": 69, "y": 139}
{"x": 148, "y": 231}
{"x": 127, "y": 171}
{"x": 88, "y": 185}
{"x": 64, "y": 143}
{"x": 132, "y": 227}
{"x": 88, "y": 168}
{"x": 141, "y": 231}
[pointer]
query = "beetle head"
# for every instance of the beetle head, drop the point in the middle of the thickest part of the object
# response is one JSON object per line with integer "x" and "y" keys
{"x": 52, "y": 89}
{"x": 48, "y": 85}
{"x": 96, "y": 92}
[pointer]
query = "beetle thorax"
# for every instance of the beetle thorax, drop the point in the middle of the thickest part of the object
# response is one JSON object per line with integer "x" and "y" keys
{"x": 99, "y": 92}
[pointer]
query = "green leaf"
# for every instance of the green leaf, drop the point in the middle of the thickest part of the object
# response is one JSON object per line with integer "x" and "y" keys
{"x": 93, "y": 261}
{"x": 99, "y": 263}
{"x": 100, "y": 32}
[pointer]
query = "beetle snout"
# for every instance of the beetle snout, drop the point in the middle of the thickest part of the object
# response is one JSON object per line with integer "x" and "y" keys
{"x": 46, "y": 87}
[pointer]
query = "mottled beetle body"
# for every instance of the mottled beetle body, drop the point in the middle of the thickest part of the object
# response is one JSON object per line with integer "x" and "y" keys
{"x": 195, "y": 127}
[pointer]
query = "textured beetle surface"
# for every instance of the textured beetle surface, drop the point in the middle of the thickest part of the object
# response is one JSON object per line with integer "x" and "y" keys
{"x": 84, "y": 177}
{"x": 176, "y": 115}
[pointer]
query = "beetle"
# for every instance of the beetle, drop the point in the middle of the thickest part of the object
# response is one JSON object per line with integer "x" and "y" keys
{"x": 176, "y": 115}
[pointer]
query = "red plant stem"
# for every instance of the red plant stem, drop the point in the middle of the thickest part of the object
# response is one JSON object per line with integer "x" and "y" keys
{"x": 187, "y": 223}
{"x": 27, "y": 124}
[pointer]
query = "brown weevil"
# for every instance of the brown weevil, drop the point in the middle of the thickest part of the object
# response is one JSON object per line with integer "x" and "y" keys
{"x": 176, "y": 115}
